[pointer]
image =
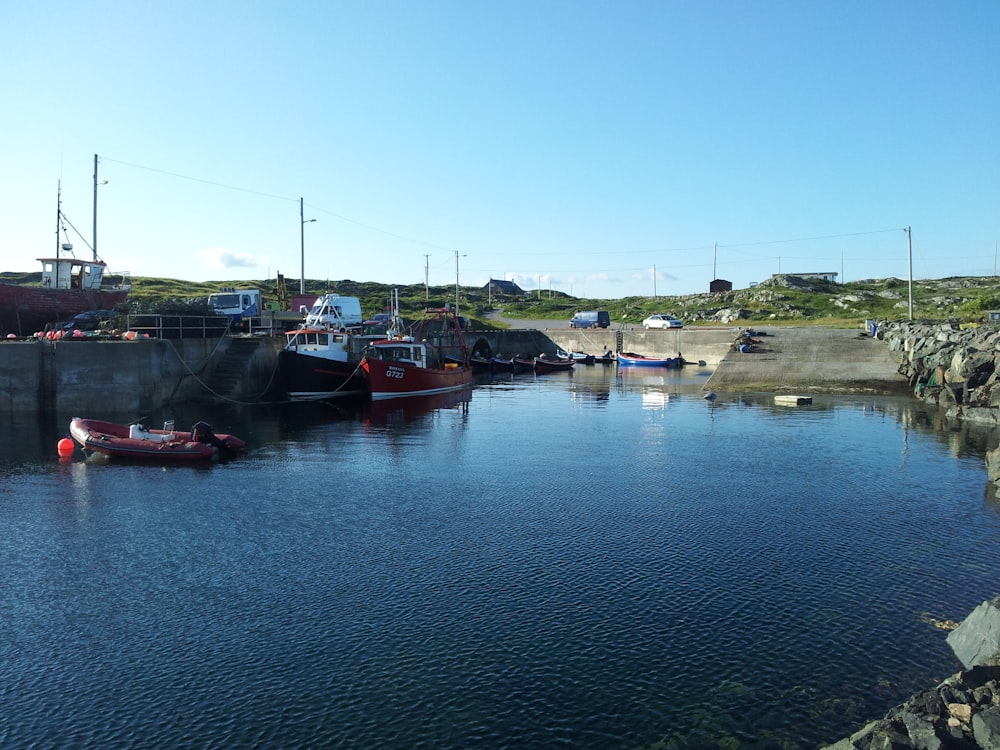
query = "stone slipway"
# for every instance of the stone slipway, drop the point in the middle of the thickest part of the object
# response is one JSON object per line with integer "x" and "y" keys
{"x": 811, "y": 359}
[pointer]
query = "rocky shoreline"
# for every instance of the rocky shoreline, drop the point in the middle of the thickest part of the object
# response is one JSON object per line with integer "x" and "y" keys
{"x": 958, "y": 370}
{"x": 962, "y": 712}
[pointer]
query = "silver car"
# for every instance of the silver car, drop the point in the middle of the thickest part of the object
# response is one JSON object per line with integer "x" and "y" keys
{"x": 661, "y": 321}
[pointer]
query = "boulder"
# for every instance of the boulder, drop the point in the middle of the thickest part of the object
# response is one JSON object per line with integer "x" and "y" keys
{"x": 976, "y": 641}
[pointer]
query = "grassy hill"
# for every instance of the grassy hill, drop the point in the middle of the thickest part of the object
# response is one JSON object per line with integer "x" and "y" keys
{"x": 783, "y": 299}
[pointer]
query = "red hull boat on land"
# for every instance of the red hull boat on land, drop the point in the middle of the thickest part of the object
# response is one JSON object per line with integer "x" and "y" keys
{"x": 134, "y": 441}
{"x": 68, "y": 286}
{"x": 434, "y": 361}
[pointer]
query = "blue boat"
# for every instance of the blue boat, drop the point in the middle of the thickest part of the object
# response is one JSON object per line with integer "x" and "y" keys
{"x": 628, "y": 359}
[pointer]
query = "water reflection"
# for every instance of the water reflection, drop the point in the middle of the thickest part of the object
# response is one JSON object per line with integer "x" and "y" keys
{"x": 399, "y": 411}
{"x": 597, "y": 561}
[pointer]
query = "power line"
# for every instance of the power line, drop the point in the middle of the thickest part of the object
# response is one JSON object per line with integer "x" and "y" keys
{"x": 199, "y": 179}
{"x": 505, "y": 254}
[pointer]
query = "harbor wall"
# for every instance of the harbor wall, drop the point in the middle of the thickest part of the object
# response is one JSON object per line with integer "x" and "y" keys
{"x": 708, "y": 344}
{"x": 941, "y": 364}
{"x": 98, "y": 376}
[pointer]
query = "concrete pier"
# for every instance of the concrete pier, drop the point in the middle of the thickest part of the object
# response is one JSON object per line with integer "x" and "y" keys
{"x": 811, "y": 359}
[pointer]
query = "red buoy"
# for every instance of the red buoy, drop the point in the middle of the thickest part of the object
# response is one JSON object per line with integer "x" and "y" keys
{"x": 65, "y": 447}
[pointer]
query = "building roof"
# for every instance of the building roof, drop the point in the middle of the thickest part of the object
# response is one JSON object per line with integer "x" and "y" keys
{"x": 502, "y": 286}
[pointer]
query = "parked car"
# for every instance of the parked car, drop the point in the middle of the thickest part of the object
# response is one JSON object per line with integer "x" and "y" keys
{"x": 590, "y": 319}
{"x": 378, "y": 319}
{"x": 90, "y": 320}
{"x": 661, "y": 321}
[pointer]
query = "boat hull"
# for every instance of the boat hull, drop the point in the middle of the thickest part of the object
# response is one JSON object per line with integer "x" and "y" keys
{"x": 553, "y": 365}
{"x": 305, "y": 377}
{"x": 117, "y": 440}
{"x": 501, "y": 364}
{"x": 388, "y": 379}
{"x": 637, "y": 360}
{"x": 25, "y": 310}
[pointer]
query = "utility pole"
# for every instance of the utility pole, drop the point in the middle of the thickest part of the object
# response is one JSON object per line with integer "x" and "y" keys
{"x": 302, "y": 244}
{"x": 715, "y": 257}
{"x": 654, "y": 282}
{"x": 94, "y": 247}
{"x": 909, "y": 253}
{"x": 456, "y": 283}
{"x": 427, "y": 289}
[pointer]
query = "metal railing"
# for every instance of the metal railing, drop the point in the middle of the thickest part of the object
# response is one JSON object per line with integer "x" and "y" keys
{"x": 178, "y": 326}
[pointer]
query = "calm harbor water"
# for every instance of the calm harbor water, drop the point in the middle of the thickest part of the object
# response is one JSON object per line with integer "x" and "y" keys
{"x": 594, "y": 560}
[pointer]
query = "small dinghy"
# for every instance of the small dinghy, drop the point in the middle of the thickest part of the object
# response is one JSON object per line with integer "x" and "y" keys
{"x": 135, "y": 441}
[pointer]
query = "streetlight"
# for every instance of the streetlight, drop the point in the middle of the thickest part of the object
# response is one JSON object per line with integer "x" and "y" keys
{"x": 303, "y": 221}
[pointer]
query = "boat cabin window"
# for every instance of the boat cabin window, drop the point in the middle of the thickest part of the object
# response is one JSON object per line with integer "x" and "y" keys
{"x": 400, "y": 353}
{"x": 308, "y": 338}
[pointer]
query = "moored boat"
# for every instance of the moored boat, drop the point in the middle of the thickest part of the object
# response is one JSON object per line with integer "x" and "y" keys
{"x": 434, "y": 361}
{"x": 322, "y": 357}
{"x": 480, "y": 364}
{"x": 522, "y": 363}
{"x": 545, "y": 363}
{"x": 135, "y": 441}
{"x": 629, "y": 359}
{"x": 501, "y": 364}
{"x": 580, "y": 358}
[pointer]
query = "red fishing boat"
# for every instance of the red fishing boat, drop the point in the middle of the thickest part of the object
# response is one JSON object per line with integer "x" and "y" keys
{"x": 135, "y": 441}
{"x": 434, "y": 361}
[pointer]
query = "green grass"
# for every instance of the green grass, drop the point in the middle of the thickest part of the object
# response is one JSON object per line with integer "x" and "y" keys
{"x": 783, "y": 300}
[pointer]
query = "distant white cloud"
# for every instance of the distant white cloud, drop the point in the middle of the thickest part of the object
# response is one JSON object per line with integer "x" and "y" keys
{"x": 221, "y": 259}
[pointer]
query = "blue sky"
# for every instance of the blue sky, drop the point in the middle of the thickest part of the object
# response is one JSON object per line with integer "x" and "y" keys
{"x": 567, "y": 145}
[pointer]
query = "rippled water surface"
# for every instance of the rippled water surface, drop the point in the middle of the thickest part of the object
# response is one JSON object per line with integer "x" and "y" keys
{"x": 586, "y": 561}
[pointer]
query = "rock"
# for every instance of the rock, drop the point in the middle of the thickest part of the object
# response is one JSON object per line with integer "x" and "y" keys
{"x": 986, "y": 728}
{"x": 977, "y": 640}
{"x": 962, "y": 713}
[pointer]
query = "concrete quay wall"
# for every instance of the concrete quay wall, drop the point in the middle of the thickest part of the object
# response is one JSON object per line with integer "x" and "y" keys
{"x": 708, "y": 344}
{"x": 811, "y": 359}
{"x": 122, "y": 376}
